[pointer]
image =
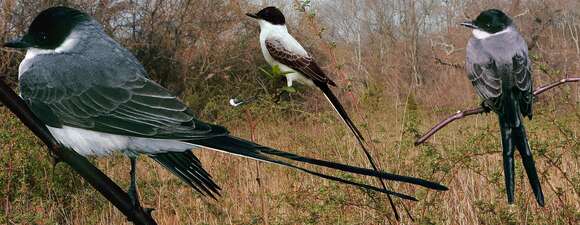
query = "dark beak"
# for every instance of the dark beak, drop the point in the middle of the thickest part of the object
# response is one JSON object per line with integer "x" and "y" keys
{"x": 252, "y": 15}
{"x": 469, "y": 24}
{"x": 18, "y": 43}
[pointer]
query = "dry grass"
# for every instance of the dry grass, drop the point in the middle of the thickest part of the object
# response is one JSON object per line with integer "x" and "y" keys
{"x": 384, "y": 56}
{"x": 465, "y": 156}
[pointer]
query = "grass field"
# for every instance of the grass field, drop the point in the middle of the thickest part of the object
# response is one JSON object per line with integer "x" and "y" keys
{"x": 465, "y": 156}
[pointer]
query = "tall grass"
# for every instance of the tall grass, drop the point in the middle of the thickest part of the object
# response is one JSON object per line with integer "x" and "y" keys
{"x": 465, "y": 156}
{"x": 398, "y": 66}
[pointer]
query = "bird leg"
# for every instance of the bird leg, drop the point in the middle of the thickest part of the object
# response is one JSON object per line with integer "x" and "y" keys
{"x": 54, "y": 160}
{"x": 132, "y": 192}
{"x": 133, "y": 195}
{"x": 278, "y": 97}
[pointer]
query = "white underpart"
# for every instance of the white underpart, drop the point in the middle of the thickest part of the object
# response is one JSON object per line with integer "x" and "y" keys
{"x": 67, "y": 45}
{"x": 91, "y": 143}
{"x": 270, "y": 31}
{"x": 481, "y": 34}
{"x": 86, "y": 142}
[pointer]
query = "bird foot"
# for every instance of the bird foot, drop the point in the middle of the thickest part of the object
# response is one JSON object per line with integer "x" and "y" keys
{"x": 148, "y": 210}
{"x": 54, "y": 159}
{"x": 485, "y": 107}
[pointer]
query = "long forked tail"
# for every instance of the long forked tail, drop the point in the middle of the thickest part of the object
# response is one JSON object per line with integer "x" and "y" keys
{"x": 360, "y": 139}
{"x": 340, "y": 110}
{"x": 240, "y": 147}
{"x": 515, "y": 137}
{"x": 189, "y": 169}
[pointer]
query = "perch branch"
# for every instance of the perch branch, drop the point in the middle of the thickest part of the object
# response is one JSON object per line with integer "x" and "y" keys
{"x": 80, "y": 164}
{"x": 462, "y": 114}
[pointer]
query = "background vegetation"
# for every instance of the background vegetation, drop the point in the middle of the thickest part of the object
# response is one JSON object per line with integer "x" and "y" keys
{"x": 399, "y": 66}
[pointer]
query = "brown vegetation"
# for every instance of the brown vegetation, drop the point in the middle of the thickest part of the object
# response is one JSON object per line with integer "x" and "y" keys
{"x": 399, "y": 68}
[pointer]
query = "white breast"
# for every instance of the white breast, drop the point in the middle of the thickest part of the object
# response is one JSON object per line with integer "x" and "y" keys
{"x": 269, "y": 31}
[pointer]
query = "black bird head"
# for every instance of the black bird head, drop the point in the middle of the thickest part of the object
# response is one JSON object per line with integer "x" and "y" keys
{"x": 50, "y": 28}
{"x": 490, "y": 21}
{"x": 270, "y": 14}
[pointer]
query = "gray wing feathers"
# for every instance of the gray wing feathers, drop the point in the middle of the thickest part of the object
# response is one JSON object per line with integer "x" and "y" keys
{"x": 498, "y": 64}
{"x": 132, "y": 105}
{"x": 487, "y": 83}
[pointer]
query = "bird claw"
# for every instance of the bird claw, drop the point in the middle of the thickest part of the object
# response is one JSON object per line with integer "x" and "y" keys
{"x": 485, "y": 107}
{"x": 149, "y": 211}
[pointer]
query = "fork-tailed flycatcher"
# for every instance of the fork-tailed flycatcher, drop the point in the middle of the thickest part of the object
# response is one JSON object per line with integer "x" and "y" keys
{"x": 96, "y": 98}
{"x": 500, "y": 70}
{"x": 281, "y": 49}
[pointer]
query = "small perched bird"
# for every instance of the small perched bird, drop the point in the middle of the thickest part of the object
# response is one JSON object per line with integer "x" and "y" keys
{"x": 500, "y": 70}
{"x": 281, "y": 49}
{"x": 95, "y": 97}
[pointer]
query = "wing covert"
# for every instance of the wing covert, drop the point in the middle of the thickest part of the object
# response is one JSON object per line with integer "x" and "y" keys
{"x": 131, "y": 106}
{"x": 303, "y": 64}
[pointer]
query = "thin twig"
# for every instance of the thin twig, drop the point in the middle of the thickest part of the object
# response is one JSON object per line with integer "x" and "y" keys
{"x": 454, "y": 65}
{"x": 253, "y": 123}
{"x": 462, "y": 114}
{"x": 80, "y": 164}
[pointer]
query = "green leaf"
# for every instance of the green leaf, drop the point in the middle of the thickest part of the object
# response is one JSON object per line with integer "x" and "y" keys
{"x": 276, "y": 70}
{"x": 288, "y": 89}
{"x": 270, "y": 76}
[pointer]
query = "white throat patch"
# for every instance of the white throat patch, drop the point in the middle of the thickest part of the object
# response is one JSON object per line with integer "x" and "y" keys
{"x": 267, "y": 27}
{"x": 481, "y": 34}
{"x": 67, "y": 45}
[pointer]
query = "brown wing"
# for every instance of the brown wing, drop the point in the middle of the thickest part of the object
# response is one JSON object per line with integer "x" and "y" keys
{"x": 303, "y": 64}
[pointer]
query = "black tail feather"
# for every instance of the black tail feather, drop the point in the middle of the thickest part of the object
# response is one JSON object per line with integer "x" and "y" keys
{"x": 340, "y": 110}
{"x": 521, "y": 142}
{"x": 514, "y": 136}
{"x": 359, "y": 137}
{"x": 508, "y": 160}
{"x": 189, "y": 169}
{"x": 240, "y": 147}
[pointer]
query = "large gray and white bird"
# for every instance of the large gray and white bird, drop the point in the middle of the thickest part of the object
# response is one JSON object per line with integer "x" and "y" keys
{"x": 499, "y": 68}
{"x": 95, "y": 97}
{"x": 282, "y": 50}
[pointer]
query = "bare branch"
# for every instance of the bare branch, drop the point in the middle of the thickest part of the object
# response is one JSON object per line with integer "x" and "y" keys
{"x": 80, "y": 164}
{"x": 462, "y": 114}
{"x": 555, "y": 84}
{"x": 454, "y": 65}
